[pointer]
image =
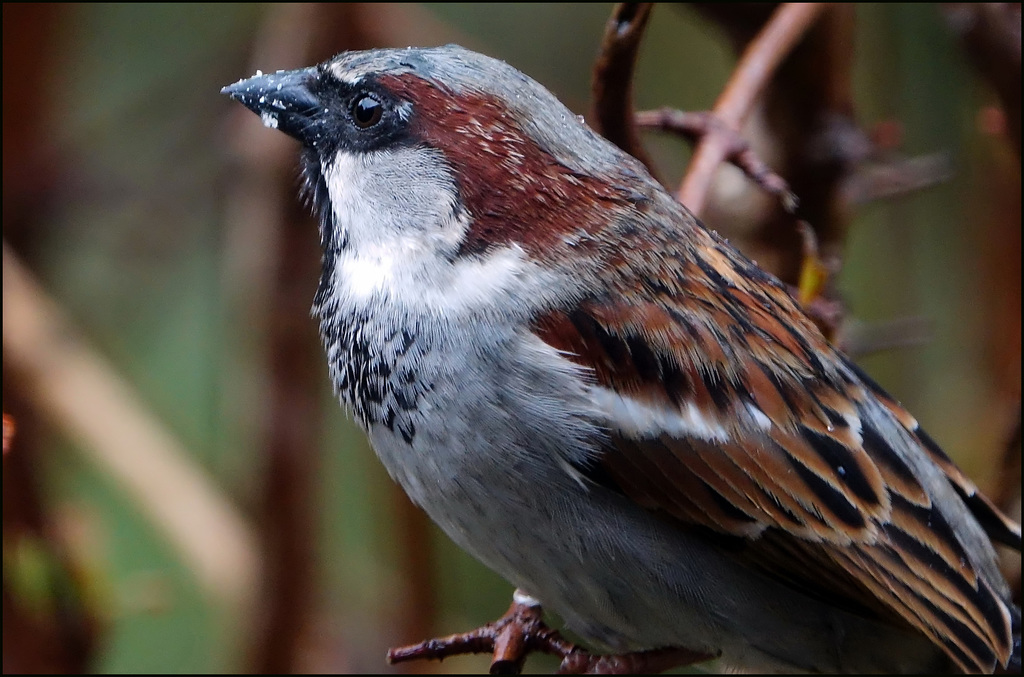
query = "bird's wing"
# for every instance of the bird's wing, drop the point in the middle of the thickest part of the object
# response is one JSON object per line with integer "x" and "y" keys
{"x": 726, "y": 409}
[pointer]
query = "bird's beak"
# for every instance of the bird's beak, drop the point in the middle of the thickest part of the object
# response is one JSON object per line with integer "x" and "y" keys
{"x": 284, "y": 100}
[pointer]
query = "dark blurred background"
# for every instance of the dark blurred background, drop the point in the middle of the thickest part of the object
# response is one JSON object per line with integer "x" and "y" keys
{"x": 183, "y": 493}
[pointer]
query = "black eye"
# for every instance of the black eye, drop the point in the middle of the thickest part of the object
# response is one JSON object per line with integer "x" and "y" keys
{"x": 366, "y": 111}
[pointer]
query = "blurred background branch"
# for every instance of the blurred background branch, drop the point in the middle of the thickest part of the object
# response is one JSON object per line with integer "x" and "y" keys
{"x": 756, "y": 68}
{"x": 612, "y": 83}
{"x": 82, "y": 394}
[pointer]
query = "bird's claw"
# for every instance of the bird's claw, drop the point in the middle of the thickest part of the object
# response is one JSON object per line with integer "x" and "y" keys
{"x": 521, "y": 631}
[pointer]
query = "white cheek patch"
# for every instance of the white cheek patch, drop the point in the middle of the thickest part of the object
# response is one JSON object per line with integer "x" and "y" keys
{"x": 404, "y": 198}
{"x": 638, "y": 419}
{"x": 396, "y": 213}
{"x": 344, "y": 185}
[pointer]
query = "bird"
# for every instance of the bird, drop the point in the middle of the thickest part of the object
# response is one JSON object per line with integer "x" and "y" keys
{"x": 608, "y": 404}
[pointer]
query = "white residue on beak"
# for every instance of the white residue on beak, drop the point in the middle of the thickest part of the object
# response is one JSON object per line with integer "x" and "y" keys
{"x": 269, "y": 119}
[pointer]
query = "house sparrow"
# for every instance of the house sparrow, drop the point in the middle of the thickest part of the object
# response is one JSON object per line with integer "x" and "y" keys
{"x": 609, "y": 405}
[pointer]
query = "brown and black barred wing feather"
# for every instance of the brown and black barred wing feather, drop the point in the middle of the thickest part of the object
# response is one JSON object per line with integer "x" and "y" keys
{"x": 998, "y": 526}
{"x": 728, "y": 410}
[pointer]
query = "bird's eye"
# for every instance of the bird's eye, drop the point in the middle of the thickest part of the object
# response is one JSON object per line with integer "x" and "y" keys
{"x": 366, "y": 111}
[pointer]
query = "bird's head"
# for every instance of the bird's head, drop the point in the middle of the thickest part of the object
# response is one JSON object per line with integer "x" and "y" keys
{"x": 444, "y": 149}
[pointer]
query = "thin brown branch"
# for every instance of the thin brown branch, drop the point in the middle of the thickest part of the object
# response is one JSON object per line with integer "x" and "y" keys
{"x": 505, "y": 638}
{"x": 802, "y": 123}
{"x": 612, "y": 86}
{"x": 696, "y": 125}
{"x": 787, "y": 26}
{"x": 521, "y": 631}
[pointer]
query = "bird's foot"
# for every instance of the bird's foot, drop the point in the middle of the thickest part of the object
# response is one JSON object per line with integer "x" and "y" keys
{"x": 510, "y": 638}
{"x": 521, "y": 631}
